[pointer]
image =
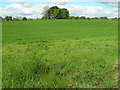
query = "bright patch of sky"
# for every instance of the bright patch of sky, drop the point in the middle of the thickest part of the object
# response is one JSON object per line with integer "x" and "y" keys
{"x": 74, "y": 3}
{"x": 90, "y": 4}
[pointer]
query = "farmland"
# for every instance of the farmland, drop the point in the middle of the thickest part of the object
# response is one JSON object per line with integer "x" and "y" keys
{"x": 60, "y": 54}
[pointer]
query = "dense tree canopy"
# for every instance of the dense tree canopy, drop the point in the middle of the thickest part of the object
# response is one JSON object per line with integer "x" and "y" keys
{"x": 8, "y": 18}
{"x": 56, "y": 13}
{"x": 24, "y": 19}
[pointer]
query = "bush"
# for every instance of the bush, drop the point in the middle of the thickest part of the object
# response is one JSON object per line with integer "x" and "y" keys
{"x": 82, "y": 17}
{"x": 88, "y": 18}
{"x": 24, "y": 19}
{"x": 8, "y": 18}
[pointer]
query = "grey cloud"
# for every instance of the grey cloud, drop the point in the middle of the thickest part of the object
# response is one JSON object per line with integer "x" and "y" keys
{"x": 110, "y": 4}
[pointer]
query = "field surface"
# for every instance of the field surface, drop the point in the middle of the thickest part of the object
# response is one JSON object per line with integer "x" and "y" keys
{"x": 60, "y": 54}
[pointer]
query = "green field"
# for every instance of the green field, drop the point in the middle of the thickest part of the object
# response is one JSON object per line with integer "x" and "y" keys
{"x": 60, "y": 54}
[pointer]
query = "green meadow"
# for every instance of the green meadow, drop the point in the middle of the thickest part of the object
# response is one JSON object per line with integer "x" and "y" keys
{"x": 60, "y": 54}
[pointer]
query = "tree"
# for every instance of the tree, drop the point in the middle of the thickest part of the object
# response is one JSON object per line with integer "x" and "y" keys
{"x": 95, "y": 18}
{"x": 45, "y": 12}
{"x": 76, "y": 17}
{"x": 61, "y": 14}
{"x": 8, "y": 18}
{"x": 71, "y": 17}
{"x": 82, "y": 17}
{"x": 52, "y": 11}
{"x": 56, "y": 13}
{"x": 64, "y": 13}
{"x": 24, "y": 19}
{"x": 88, "y": 18}
{"x": 115, "y": 18}
{"x": 103, "y": 18}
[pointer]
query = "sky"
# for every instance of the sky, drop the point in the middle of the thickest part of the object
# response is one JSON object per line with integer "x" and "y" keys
{"x": 34, "y": 8}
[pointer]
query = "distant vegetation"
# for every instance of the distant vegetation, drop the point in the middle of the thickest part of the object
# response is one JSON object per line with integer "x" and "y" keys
{"x": 10, "y": 18}
{"x": 55, "y": 12}
{"x": 24, "y": 19}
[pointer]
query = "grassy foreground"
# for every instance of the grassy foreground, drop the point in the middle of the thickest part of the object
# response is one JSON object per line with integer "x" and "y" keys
{"x": 60, "y": 54}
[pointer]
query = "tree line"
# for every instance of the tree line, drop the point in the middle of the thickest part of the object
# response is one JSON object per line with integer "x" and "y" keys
{"x": 53, "y": 12}
{"x": 10, "y": 18}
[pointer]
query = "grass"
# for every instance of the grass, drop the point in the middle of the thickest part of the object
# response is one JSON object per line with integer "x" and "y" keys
{"x": 33, "y": 31}
{"x": 60, "y": 54}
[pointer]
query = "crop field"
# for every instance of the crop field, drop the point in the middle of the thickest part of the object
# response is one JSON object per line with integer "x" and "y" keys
{"x": 60, "y": 54}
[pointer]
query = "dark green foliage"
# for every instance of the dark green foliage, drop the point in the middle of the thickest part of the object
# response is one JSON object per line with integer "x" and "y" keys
{"x": 51, "y": 12}
{"x": 56, "y": 13}
{"x": 103, "y": 18}
{"x": 24, "y": 19}
{"x": 8, "y": 18}
{"x": 76, "y": 17}
{"x": 95, "y": 18}
{"x": 115, "y": 18}
{"x": 16, "y": 19}
{"x": 83, "y": 17}
{"x": 88, "y": 18}
{"x": 64, "y": 13}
